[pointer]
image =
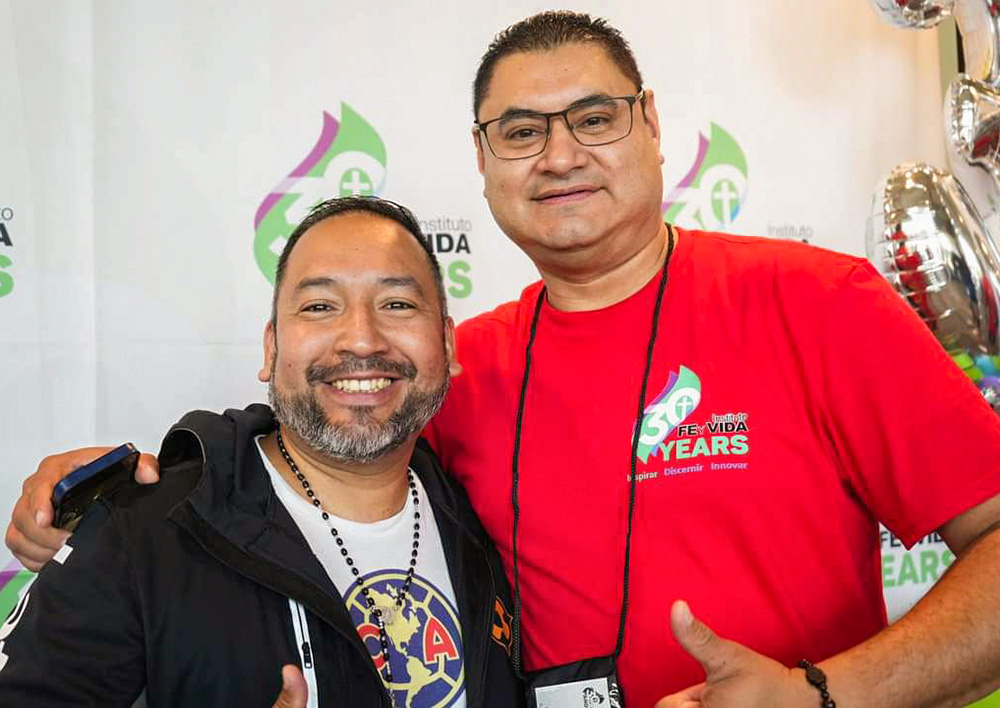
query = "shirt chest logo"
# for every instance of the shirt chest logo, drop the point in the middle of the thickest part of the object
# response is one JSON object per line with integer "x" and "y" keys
{"x": 425, "y": 639}
{"x": 719, "y": 435}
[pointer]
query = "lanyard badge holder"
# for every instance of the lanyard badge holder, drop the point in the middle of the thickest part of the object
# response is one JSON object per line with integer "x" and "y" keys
{"x": 587, "y": 683}
{"x": 591, "y": 682}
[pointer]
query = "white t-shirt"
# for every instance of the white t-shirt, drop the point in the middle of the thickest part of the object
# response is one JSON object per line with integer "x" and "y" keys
{"x": 425, "y": 638}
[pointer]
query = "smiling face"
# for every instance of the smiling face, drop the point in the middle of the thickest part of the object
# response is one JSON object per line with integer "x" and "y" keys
{"x": 606, "y": 198}
{"x": 357, "y": 358}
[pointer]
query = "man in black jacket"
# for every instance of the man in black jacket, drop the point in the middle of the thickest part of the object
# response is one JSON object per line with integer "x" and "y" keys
{"x": 318, "y": 535}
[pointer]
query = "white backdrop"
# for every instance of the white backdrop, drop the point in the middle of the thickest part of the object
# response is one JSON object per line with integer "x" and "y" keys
{"x": 139, "y": 141}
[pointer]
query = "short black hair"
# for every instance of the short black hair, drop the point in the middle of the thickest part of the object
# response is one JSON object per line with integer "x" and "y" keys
{"x": 355, "y": 204}
{"x": 551, "y": 30}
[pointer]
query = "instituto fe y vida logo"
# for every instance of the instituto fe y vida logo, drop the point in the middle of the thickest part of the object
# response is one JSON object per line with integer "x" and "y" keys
{"x": 722, "y": 438}
{"x": 6, "y": 246}
{"x": 349, "y": 158}
{"x": 714, "y": 189}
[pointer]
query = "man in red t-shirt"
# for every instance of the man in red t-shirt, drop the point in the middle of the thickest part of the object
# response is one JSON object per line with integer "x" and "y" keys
{"x": 694, "y": 417}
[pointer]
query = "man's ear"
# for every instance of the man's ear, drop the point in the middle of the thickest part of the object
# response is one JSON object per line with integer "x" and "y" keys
{"x": 270, "y": 351}
{"x": 454, "y": 368}
{"x": 480, "y": 157}
{"x": 650, "y": 117}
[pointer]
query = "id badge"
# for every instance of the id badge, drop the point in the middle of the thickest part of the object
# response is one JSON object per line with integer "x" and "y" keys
{"x": 589, "y": 683}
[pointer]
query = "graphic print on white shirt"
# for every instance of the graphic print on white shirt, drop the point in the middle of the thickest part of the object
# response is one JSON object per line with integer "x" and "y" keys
{"x": 425, "y": 638}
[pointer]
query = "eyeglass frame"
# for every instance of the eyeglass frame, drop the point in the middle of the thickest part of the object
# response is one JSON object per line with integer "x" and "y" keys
{"x": 632, "y": 99}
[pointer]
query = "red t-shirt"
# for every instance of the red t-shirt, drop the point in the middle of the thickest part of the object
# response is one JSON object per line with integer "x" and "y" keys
{"x": 802, "y": 401}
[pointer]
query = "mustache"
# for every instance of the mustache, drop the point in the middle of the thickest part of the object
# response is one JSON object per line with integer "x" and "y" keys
{"x": 350, "y": 364}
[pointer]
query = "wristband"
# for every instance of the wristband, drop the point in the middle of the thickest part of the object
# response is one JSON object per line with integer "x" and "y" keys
{"x": 816, "y": 677}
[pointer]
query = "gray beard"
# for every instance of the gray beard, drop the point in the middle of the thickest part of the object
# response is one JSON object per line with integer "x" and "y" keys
{"x": 363, "y": 439}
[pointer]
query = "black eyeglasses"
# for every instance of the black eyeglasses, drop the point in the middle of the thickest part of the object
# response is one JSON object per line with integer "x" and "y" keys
{"x": 522, "y": 134}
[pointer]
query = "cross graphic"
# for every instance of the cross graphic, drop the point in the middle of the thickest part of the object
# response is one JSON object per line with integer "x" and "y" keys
{"x": 725, "y": 194}
{"x": 683, "y": 405}
{"x": 355, "y": 182}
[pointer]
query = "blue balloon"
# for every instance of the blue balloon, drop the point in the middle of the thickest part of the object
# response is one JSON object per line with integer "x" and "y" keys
{"x": 986, "y": 365}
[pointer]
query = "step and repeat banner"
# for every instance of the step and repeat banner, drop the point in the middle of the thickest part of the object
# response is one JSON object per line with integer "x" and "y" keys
{"x": 154, "y": 156}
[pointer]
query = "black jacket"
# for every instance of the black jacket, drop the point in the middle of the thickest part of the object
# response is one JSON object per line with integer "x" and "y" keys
{"x": 196, "y": 588}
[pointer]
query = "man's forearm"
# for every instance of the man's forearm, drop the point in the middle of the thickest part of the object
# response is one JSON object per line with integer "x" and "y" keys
{"x": 944, "y": 652}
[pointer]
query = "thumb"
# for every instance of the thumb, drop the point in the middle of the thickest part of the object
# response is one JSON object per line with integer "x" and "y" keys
{"x": 294, "y": 692}
{"x": 688, "y": 698}
{"x": 714, "y": 654}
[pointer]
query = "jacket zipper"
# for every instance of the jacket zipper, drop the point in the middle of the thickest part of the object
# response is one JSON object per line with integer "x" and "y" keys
{"x": 300, "y": 625}
{"x": 488, "y": 630}
{"x": 386, "y": 691}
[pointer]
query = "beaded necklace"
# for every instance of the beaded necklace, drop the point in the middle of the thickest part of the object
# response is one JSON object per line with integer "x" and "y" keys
{"x": 376, "y": 612}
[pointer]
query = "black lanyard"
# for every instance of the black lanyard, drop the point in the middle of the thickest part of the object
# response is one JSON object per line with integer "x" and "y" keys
{"x": 516, "y": 655}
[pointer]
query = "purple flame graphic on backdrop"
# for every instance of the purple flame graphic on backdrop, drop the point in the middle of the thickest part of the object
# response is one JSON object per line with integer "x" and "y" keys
{"x": 689, "y": 178}
{"x": 326, "y": 138}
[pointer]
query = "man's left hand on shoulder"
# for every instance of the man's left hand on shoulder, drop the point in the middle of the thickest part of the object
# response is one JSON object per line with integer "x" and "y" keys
{"x": 734, "y": 675}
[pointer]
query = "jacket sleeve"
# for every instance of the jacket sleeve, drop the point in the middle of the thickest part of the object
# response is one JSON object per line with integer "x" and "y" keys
{"x": 76, "y": 638}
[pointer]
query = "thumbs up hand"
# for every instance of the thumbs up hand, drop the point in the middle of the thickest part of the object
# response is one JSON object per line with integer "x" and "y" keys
{"x": 294, "y": 691}
{"x": 734, "y": 675}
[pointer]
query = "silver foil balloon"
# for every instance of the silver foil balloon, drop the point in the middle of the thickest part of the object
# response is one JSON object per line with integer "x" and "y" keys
{"x": 927, "y": 239}
{"x": 979, "y": 23}
{"x": 913, "y": 14}
{"x": 972, "y": 139}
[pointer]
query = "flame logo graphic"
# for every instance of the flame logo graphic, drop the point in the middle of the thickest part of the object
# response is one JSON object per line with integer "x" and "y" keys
{"x": 676, "y": 402}
{"x": 348, "y": 158}
{"x": 14, "y": 580}
{"x": 714, "y": 190}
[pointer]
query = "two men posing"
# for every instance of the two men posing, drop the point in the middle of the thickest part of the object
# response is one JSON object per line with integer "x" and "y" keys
{"x": 567, "y": 398}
